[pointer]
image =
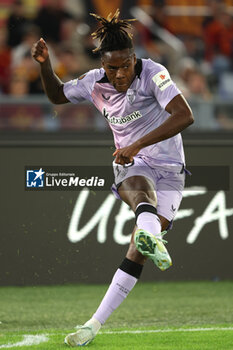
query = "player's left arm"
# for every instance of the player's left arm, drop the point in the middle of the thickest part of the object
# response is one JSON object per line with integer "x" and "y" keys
{"x": 180, "y": 118}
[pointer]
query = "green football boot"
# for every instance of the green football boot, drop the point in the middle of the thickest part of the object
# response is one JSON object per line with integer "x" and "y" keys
{"x": 153, "y": 248}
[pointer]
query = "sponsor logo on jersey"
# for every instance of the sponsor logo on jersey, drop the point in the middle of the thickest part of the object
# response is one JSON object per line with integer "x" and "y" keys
{"x": 122, "y": 120}
{"x": 162, "y": 80}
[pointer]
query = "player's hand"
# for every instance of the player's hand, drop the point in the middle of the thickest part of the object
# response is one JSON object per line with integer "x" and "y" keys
{"x": 39, "y": 51}
{"x": 125, "y": 155}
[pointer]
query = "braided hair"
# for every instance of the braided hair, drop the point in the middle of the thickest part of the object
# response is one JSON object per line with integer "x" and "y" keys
{"x": 112, "y": 33}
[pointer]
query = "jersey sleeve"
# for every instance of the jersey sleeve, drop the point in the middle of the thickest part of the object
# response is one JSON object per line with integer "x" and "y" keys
{"x": 80, "y": 89}
{"x": 161, "y": 84}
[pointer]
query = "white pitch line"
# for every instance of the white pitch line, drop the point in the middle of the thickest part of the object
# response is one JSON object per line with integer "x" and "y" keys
{"x": 27, "y": 341}
{"x": 169, "y": 330}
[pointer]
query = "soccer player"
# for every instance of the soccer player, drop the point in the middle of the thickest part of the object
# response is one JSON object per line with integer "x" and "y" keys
{"x": 146, "y": 113}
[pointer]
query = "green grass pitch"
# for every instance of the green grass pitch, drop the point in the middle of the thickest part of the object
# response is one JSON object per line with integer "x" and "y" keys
{"x": 158, "y": 316}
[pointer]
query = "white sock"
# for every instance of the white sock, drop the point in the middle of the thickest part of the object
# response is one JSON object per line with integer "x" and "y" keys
{"x": 149, "y": 222}
{"x": 121, "y": 285}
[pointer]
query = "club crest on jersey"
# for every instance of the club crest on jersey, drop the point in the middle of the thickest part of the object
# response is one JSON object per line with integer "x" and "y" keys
{"x": 131, "y": 94}
{"x": 162, "y": 80}
{"x": 121, "y": 120}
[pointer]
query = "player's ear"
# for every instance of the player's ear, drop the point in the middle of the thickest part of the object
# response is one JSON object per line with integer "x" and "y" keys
{"x": 134, "y": 58}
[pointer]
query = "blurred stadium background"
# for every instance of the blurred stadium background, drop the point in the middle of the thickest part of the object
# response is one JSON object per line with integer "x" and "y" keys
{"x": 193, "y": 38}
{"x": 43, "y": 239}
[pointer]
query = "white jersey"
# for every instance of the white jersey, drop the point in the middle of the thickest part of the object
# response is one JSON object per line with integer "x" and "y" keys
{"x": 134, "y": 113}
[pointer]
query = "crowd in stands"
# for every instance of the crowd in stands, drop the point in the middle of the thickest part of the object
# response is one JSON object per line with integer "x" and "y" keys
{"x": 203, "y": 71}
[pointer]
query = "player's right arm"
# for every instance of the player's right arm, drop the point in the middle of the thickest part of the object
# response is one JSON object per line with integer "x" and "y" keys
{"x": 52, "y": 85}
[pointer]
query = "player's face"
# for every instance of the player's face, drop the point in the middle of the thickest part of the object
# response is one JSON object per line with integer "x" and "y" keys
{"x": 119, "y": 66}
